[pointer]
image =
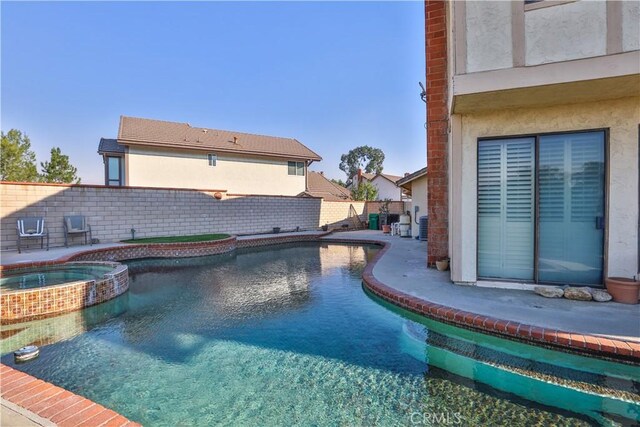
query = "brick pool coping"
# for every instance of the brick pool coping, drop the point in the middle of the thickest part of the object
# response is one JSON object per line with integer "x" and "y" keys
{"x": 54, "y": 403}
{"x": 590, "y": 345}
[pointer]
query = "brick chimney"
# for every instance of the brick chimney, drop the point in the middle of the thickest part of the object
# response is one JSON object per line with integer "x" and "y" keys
{"x": 437, "y": 125}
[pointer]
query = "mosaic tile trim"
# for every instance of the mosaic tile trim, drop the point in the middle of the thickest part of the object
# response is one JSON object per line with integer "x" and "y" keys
{"x": 54, "y": 403}
{"x": 38, "y": 303}
{"x": 278, "y": 240}
{"x": 157, "y": 250}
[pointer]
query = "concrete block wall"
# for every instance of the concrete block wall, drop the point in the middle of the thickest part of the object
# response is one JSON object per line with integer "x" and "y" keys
{"x": 113, "y": 211}
{"x": 335, "y": 214}
{"x": 394, "y": 207}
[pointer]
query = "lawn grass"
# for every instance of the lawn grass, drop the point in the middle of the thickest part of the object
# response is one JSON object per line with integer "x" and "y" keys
{"x": 179, "y": 239}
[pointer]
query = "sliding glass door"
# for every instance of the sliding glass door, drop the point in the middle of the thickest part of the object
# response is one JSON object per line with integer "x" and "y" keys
{"x": 571, "y": 213}
{"x": 541, "y": 208}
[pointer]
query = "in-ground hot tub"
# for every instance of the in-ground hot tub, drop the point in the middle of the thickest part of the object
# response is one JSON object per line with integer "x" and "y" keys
{"x": 29, "y": 293}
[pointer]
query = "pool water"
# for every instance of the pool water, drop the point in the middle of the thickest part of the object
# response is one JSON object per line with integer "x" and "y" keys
{"x": 286, "y": 336}
{"x": 48, "y": 276}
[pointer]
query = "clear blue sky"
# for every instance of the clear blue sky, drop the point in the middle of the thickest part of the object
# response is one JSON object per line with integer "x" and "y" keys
{"x": 333, "y": 75}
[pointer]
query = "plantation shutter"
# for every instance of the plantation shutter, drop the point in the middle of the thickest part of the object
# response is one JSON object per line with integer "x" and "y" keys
{"x": 506, "y": 209}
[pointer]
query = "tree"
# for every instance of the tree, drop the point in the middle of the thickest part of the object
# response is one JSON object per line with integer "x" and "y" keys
{"x": 58, "y": 169}
{"x": 17, "y": 161}
{"x": 369, "y": 157}
{"x": 366, "y": 191}
{"x": 339, "y": 182}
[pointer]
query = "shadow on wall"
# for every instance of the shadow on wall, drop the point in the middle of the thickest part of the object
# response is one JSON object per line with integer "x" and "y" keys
{"x": 113, "y": 211}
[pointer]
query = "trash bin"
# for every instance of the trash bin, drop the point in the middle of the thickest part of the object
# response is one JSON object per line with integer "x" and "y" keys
{"x": 373, "y": 221}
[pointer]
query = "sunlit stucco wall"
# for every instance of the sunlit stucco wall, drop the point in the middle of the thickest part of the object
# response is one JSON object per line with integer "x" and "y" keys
{"x": 418, "y": 198}
{"x": 386, "y": 189}
{"x": 621, "y": 117}
{"x": 150, "y": 167}
{"x": 495, "y": 31}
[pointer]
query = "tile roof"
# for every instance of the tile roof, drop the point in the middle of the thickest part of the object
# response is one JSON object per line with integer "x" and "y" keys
{"x": 138, "y": 131}
{"x": 110, "y": 146}
{"x": 371, "y": 176}
{"x": 319, "y": 186}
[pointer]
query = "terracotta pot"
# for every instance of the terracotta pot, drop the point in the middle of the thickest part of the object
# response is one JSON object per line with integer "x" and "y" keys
{"x": 626, "y": 291}
{"x": 386, "y": 229}
{"x": 442, "y": 265}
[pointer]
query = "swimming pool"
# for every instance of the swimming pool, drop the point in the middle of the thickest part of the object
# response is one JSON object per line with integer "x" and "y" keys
{"x": 287, "y": 336}
{"x": 48, "y": 276}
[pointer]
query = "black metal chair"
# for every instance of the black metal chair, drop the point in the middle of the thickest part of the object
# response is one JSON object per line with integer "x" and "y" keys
{"x": 76, "y": 224}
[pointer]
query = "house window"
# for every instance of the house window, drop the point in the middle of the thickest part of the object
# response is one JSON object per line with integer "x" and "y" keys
{"x": 541, "y": 208}
{"x": 296, "y": 168}
{"x": 115, "y": 173}
{"x": 212, "y": 159}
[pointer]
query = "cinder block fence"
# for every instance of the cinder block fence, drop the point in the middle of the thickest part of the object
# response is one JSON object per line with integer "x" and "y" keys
{"x": 114, "y": 211}
{"x": 153, "y": 212}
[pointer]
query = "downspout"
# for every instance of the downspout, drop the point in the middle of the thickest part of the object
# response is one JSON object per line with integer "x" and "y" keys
{"x": 306, "y": 174}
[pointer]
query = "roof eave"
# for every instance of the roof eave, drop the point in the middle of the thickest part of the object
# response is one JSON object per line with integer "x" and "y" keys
{"x": 217, "y": 149}
{"x": 407, "y": 179}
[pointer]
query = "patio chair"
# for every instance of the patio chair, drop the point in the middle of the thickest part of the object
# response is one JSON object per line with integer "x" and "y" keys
{"x": 32, "y": 227}
{"x": 76, "y": 224}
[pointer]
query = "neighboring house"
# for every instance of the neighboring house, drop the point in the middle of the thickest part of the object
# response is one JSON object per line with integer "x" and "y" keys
{"x": 415, "y": 186}
{"x": 319, "y": 186}
{"x": 385, "y": 183}
{"x": 153, "y": 153}
{"x": 533, "y": 112}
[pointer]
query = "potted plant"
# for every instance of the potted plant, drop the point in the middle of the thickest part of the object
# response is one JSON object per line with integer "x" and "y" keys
{"x": 384, "y": 216}
{"x": 622, "y": 289}
{"x": 443, "y": 264}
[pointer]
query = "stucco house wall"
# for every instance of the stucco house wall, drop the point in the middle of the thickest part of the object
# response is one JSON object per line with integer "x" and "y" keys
{"x": 491, "y": 34}
{"x": 155, "y": 167}
{"x": 386, "y": 189}
{"x": 621, "y": 117}
{"x": 516, "y": 69}
{"x": 418, "y": 199}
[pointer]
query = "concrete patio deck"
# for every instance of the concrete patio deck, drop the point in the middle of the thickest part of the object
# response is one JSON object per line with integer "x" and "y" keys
{"x": 403, "y": 267}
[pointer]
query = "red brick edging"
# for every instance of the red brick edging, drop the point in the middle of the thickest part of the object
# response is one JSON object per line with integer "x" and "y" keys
{"x": 619, "y": 350}
{"x": 54, "y": 403}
